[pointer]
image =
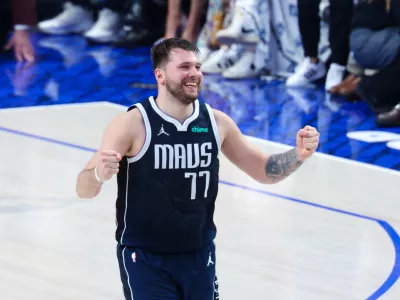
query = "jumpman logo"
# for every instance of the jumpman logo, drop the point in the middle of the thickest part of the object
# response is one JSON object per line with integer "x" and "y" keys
{"x": 209, "y": 260}
{"x": 162, "y": 130}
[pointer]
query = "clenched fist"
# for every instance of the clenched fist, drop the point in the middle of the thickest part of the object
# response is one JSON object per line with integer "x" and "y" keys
{"x": 108, "y": 165}
{"x": 307, "y": 141}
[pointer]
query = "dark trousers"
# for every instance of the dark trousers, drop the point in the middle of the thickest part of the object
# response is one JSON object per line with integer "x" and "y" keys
{"x": 340, "y": 18}
{"x": 381, "y": 91}
{"x": 115, "y": 5}
{"x": 152, "y": 276}
{"x": 3, "y": 36}
{"x": 5, "y": 27}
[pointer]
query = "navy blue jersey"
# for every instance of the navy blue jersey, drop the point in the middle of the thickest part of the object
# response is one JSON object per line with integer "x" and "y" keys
{"x": 167, "y": 192}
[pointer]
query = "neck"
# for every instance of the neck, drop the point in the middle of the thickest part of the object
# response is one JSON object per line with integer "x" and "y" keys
{"x": 173, "y": 107}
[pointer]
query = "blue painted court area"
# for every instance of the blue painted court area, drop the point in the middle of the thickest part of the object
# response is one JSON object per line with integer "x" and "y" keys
{"x": 69, "y": 70}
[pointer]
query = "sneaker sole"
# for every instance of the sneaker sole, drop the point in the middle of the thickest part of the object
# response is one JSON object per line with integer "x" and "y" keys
{"x": 62, "y": 31}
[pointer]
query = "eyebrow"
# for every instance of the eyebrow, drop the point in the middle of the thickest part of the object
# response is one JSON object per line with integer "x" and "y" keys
{"x": 189, "y": 63}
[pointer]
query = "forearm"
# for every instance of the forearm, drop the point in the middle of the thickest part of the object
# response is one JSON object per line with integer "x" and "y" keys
{"x": 87, "y": 185}
{"x": 280, "y": 166}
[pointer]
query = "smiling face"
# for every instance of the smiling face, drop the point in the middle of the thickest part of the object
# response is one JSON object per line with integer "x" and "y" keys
{"x": 181, "y": 75}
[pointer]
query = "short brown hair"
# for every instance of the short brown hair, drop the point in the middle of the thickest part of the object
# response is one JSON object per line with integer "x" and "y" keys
{"x": 160, "y": 51}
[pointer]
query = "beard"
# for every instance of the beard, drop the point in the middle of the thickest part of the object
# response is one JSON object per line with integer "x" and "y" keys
{"x": 178, "y": 91}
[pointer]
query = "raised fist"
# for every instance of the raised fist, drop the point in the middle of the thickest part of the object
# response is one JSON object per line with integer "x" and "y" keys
{"x": 108, "y": 165}
{"x": 307, "y": 141}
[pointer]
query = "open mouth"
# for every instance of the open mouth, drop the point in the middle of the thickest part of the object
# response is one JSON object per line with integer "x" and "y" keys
{"x": 192, "y": 86}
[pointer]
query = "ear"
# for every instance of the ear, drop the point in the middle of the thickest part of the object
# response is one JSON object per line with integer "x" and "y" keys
{"x": 160, "y": 75}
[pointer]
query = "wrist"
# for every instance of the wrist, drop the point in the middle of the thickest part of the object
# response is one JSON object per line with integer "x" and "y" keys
{"x": 21, "y": 27}
{"x": 96, "y": 175}
{"x": 301, "y": 158}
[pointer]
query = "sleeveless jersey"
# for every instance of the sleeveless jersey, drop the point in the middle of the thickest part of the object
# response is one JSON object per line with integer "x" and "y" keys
{"x": 167, "y": 192}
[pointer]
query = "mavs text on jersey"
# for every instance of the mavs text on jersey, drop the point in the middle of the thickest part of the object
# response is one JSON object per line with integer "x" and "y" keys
{"x": 167, "y": 192}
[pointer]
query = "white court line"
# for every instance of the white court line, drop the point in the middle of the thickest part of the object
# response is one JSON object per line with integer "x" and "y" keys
{"x": 55, "y": 106}
{"x": 271, "y": 143}
{"x": 114, "y": 105}
{"x": 331, "y": 157}
{"x": 255, "y": 139}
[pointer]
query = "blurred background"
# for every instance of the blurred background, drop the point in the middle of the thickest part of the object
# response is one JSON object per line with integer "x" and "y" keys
{"x": 273, "y": 66}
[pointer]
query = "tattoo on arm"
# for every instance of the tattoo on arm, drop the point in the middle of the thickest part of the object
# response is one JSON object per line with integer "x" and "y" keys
{"x": 280, "y": 166}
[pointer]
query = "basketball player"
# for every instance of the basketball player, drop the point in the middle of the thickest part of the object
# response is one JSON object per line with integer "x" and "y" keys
{"x": 165, "y": 152}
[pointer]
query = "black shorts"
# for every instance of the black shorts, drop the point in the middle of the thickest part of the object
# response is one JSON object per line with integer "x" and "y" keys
{"x": 186, "y": 276}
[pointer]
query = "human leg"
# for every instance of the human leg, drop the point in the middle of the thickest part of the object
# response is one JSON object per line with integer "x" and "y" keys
{"x": 143, "y": 277}
{"x": 340, "y": 18}
{"x": 109, "y": 22}
{"x": 195, "y": 19}
{"x": 200, "y": 281}
{"x": 76, "y": 17}
{"x": 309, "y": 26}
{"x": 311, "y": 69}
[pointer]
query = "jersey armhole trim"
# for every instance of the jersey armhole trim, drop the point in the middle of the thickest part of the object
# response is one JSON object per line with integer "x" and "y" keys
{"x": 214, "y": 126}
{"x": 148, "y": 135}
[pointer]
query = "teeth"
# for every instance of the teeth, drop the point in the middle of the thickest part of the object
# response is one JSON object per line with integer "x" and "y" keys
{"x": 191, "y": 84}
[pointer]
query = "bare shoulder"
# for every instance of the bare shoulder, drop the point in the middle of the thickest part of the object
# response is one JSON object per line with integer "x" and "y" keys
{"x": 135, "y": 117}
{"x": 128, "y": 120}
{"x": 124, "y": 132}
{"x": 219, "y": 115}
{"x": 134, "y": 124}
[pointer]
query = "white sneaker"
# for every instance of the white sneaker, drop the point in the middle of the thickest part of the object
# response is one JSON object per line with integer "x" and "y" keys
{"x": 335, "y": 76}
{"x": 107, "y": 27}
{"x": 243, "y": 68}
{"x": 221, "y": 59}
{"x": 204, "y": 54}
{"x": 242, "y": 30}
{"x": 74, "y": 19}
{"x": 306, "y": 73}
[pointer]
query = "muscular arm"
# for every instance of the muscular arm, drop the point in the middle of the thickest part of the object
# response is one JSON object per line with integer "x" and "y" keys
{"x": 118, "y": 137}
{"x": 280, "y": 166}
{"x": 260, "y": 166}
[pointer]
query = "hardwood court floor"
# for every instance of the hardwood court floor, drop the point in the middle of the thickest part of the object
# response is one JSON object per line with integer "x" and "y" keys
{"x": 327, "y": 232}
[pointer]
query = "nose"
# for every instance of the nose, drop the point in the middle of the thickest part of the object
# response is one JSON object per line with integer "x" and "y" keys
{"x": 194, "y": 72}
